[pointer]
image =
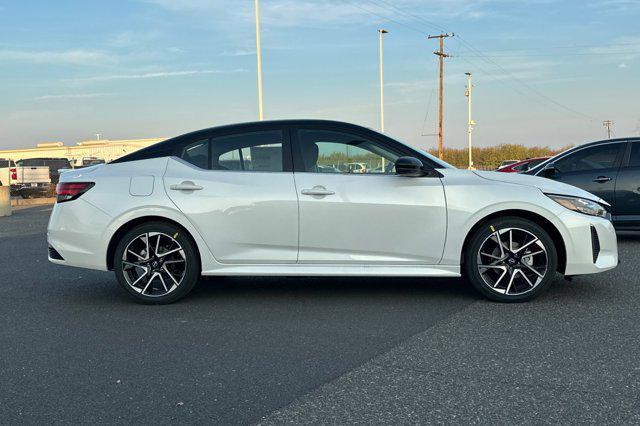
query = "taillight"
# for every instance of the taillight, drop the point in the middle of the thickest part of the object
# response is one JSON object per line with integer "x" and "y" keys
{"x": 67, "y": 191}
{"x": 14, "y": 174}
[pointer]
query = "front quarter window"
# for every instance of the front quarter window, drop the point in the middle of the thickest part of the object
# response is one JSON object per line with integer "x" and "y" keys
{"x": 329, "y": 151}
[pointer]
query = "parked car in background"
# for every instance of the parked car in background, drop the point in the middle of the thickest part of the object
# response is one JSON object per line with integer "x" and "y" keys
{"x": 7, "y": 171}
{"x": 522, "y": 166}
{"x": 88, "y": 161}
{"x": 506, "y": 163}
{"x": 54, "y": 164}
{"x": 31, "y": 181}
{"x": 163, "y": 216}
{"x": 25, "y": 181}
{"x": 609, "y": 169}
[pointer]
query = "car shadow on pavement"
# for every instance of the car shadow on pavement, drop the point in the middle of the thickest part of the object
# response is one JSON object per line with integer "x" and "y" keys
{"x": 332, "y": 287}
{"x": 628, "y": 236}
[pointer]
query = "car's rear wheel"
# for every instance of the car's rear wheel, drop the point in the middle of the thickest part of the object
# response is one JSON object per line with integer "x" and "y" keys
{"x": 157, "y": 263}
{"x": 510, "y": 259}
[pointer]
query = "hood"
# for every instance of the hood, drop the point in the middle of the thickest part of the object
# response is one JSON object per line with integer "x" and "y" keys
{"x": 548, "y": 186}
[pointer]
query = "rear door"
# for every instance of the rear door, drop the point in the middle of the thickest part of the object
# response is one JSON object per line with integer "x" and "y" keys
{"x": 238, "y": 191}
{"x": 627, "y": 207}
{"x": 594, "y": 169}
{"x": 368, "y": 214}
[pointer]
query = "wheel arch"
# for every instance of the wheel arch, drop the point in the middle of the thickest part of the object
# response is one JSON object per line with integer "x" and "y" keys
{"x": 540, "y": 220}
{"x": 126, "y": 227}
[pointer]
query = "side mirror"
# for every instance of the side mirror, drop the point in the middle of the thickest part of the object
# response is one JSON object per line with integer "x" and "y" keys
{"x": 549, "y": 170}
{"x": 409, "y": 167}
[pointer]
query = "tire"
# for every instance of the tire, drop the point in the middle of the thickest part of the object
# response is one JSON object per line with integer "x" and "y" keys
{"x": 157, "y": 276}
{"x": 518, "y": 271}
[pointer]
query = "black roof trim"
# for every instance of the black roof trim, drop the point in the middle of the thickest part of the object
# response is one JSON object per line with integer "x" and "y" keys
{"x": 168, "y": 147}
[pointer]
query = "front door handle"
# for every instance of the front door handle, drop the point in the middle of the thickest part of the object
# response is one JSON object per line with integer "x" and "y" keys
{"x": 185, "y": 186}
{"x": 602, "y": 179}
{"x": 317, "y": 190}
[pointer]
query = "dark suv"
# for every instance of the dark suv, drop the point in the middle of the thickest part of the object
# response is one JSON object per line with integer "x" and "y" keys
{"x": 54, "y": 164}
{"x": 609, "y": 169}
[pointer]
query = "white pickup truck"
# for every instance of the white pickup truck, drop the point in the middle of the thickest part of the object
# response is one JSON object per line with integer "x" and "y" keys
{"x": 26, "y": 181}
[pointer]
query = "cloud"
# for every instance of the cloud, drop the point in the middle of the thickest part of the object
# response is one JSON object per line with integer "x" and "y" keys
{"x": 159, "y": 74}
{"x": 239, "y": 52}
{"x": 622, "y": 65}
{"x": 313, "y": 13}
{"x": 70, "y": 57}
{"x": 134, "y": 38}
{"x": 72, "y": 96}
{"x": 621, "y": 48}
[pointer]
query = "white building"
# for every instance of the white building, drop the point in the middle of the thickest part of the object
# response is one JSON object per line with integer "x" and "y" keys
{"x": 105, "y": 149}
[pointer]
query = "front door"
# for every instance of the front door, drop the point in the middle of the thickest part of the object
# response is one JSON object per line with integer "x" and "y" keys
{"x": 594, "y": 169}
{"x": 354, "y": 209}
{"x": 627, "y": 211}
{"x": 238, "y": 193}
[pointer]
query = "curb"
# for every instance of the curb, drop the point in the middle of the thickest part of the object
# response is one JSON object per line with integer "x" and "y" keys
{"x": 32, "y": 201}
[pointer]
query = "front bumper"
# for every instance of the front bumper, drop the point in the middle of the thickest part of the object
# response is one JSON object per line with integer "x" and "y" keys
{"x": 590, "y": 242}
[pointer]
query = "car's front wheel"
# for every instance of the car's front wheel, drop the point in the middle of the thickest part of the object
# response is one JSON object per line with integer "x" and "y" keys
{"x": 157, "y": 263}
{"x": 510, "y": 259}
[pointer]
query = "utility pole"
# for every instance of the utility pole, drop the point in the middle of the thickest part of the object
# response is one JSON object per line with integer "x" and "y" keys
{"x": 380, "y": 32}
{"x": 608, "y": 124}
{"x": 471, "y": 122}
{"x": 259, "y": 57}
{"x": 441, "y": 56}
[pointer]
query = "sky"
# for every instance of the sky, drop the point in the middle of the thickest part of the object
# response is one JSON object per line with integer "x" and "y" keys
{"x": 545, "y": 72}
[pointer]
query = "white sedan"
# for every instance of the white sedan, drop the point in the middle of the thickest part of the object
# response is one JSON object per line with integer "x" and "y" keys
{"x": 269, "y": 198}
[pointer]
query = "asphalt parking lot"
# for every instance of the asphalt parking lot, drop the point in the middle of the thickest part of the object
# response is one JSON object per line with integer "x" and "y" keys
{"x": 75, "y": 349}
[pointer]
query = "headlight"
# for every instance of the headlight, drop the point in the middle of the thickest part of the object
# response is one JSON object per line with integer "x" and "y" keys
{"x": 581, "y": 205}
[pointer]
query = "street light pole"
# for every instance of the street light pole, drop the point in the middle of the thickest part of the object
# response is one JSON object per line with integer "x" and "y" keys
{"x": 259, "y": 57}
{"x": 471, "y": 122}
{"x": 380, "y": 32}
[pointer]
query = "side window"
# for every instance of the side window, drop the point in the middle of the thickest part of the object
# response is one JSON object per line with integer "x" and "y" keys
{"x": 197, "y": 153}
{"x": 634, "y": 160}
{"x": 252, "y": 152}
{"x": 325, "y": 151}
{"x": 594, "y": 158}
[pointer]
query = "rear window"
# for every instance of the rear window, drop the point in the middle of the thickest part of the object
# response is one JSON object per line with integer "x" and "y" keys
{"x": 53, "y": 163}
{"x": 30, "y": 162}
{"x": 197, "y": 153}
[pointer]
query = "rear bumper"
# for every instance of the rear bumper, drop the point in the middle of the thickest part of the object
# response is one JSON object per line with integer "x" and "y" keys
{"x": 75, "y": 232}
{"x": 590, "y": 242}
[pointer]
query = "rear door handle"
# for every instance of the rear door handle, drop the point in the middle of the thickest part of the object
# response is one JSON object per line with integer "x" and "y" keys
{"x": 602, "y": 179}
{"x": 317, "y": 190}
{"x": 185, "y": 186}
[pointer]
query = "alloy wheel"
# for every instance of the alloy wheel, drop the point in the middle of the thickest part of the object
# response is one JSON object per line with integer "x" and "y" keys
{"x": 154, "y": 264}
{"x": 512, "y": 261}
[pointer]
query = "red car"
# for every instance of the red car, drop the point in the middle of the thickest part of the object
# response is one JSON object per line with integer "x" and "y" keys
{"x": 523, "y": 165}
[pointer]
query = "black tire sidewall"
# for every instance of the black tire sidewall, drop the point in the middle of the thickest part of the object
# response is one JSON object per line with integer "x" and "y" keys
{"x": 192, "y": 274}
{"x": 470, "y": 258}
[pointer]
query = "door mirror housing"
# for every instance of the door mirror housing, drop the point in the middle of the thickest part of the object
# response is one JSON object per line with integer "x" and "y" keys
{"x": 409, "y": 167}
{"x": 549, "y": 170}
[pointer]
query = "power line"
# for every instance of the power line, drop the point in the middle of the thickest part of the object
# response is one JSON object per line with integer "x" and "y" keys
{"x": 531, "y": 55}
{"x": 479, "y": 55}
